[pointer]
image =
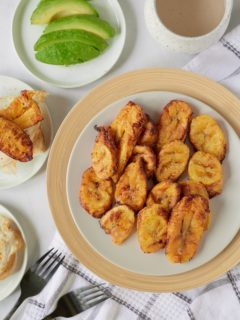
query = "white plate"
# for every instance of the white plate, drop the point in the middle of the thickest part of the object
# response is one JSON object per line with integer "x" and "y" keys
{"x": 8, "y": 285}
{"x": 225, "y": 207}
{"x": 25, "y": 170}
{"x": 25, "y": 35}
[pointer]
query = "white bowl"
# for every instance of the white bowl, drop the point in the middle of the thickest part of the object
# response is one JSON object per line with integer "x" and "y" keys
{"x": 181, "y": 43}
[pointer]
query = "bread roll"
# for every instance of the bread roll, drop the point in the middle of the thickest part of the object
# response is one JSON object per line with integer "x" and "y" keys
{"x": 11, "y": 242}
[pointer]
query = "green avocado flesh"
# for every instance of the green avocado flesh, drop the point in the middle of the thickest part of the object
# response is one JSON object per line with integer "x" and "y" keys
{"x": 83, "y": 22}
{"x": 48, "y": 10}
{"x": 66, "y": 53}
{"x": 63, "y": 36}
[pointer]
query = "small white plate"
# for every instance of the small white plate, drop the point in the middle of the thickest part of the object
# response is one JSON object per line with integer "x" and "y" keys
{"x": 225, "y": 207}
{"x": 25, "y": 35}
{"x": 12, "y": 87}
{"x": 8, "y": 285}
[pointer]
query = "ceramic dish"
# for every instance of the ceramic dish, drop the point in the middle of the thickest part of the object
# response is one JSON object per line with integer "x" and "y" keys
{"x": 8, "y": 285}
{"x": 25, "y": 35}
{"x": 205, "y": 95}
{"x": 12, "y": 87}
{"x": 224, "y": 207}
{"x": 178, "y": 42}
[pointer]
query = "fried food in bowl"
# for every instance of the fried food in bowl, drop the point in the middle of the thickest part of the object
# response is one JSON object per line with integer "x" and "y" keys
{"x": 165, "y": 193}
{"x": 172, "y": 161}
{"x": 96, "y": 195}
{"x": 104, "y": 154}
{"x": 174, "y": 122}
{"x": 206, "y": 135}
{"x": 186, "y": 227}
{"x": 131, "y": 188}
{"x": 152, "y": 228}
{"x": 119, "y": 223}
{"x": 206, "y": 169}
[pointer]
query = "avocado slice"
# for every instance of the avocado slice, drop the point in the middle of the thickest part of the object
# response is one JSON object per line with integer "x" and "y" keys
{"x": 48, "y": 10}
{"x": 83, "y": 22}
{"x": 66, "y": 53}
{"x": 62, "y": 36}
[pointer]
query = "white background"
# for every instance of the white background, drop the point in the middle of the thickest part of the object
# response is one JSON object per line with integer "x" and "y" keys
{"x": 29, "y": 201}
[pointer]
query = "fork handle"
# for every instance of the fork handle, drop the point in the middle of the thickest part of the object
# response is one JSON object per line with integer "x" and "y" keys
{"x": 12, "y": 311}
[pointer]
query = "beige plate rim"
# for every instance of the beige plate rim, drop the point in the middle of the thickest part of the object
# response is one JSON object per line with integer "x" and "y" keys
{"x": 157, "y": 79}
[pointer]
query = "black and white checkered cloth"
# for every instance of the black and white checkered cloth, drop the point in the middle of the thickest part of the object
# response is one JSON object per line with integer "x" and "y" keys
{"x": 219, "y": 300}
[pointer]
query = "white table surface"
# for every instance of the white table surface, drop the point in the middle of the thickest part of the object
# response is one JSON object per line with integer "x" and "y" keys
{"x": 29, "y": 202}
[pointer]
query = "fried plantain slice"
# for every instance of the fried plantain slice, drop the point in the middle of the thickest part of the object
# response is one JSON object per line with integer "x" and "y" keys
{"x": 185, "y": 229}
{"x": 172, "y": 161}
{"x": 174, "y": 122}
{"x": 190, "y": 187}
{"x": 131, "y": 188}
{"x": 165, "y": 193}
{"x": 148, "y": 156}
{"x": 150, "y": 134}
{"x": 104, "y": 154}
{"x": 207, "y": 136}
{"x": 127, "y": 128}
{"x": 14, "y": 142}
{"x": 206, "y": 168}
{"x": 119, "y": 223}
{"x": 152, "y": 228}
{"x": 24, "y": 110}
{"x": 96, "y": 195}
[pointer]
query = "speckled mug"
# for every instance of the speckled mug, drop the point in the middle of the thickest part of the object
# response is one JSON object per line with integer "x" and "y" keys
{"x": 181, "y": 43}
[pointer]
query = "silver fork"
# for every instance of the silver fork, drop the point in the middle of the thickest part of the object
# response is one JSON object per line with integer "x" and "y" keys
{"x": 79, "y": 300}
{"x": 37, "y": 277}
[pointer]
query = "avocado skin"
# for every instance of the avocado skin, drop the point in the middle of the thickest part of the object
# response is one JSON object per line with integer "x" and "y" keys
{"x": 66, "y": 53}
{"x": 83, "y": 22}
{"x": 48, "y": 10}
{"x": 62, "y": 36}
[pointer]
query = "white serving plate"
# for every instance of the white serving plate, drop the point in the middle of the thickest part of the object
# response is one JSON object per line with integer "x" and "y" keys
{"x": 25, "y": 170}
{"x": 8, "y": 285}
{"x": 25, "y": 35}
{"x": 225, "y": 207}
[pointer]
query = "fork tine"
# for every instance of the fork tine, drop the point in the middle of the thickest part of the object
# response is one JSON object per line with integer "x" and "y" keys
{"x": 48, "y": 264}
{"x": 41, "y": 266}
{"x": 34, "y": 267}
{"x": 94, "y": 302}
{"x": 85, "y": 289}
{"x": 52, "y": 271}
{"x": 88, "y": 298}
{"x": 89, "y": 292}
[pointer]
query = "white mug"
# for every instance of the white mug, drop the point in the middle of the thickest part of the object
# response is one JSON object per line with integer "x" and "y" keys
{"x": 180, "y": 43}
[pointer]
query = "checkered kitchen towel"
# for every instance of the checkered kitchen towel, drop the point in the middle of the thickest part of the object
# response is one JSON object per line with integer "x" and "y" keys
{"x": 219, "y": 300}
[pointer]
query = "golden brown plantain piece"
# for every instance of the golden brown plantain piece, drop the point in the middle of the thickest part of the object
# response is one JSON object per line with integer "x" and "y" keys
{"x": 126, "y": 129}
{"x": 165, "y": 193}
{"x": 152, "y": 228}
{"x": 131, "y": 188}
{"x": 207, "y": 136}
{"x": 206, "y": 168}
{"x": 119, "y": 223}
{"x": 174, "y": 122}
{"x": 14, "y": 142}
{"x": 148, "y": 156}
{"x": 190, "y": 187}
{"x": 172, "y": 161}
{"x": 96, "y": 195}
{"x": 104, "y": 154}
{"x": 150, "y": 134}
{"x": 23, "y": 110}
{"x": 185, "y": 229}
